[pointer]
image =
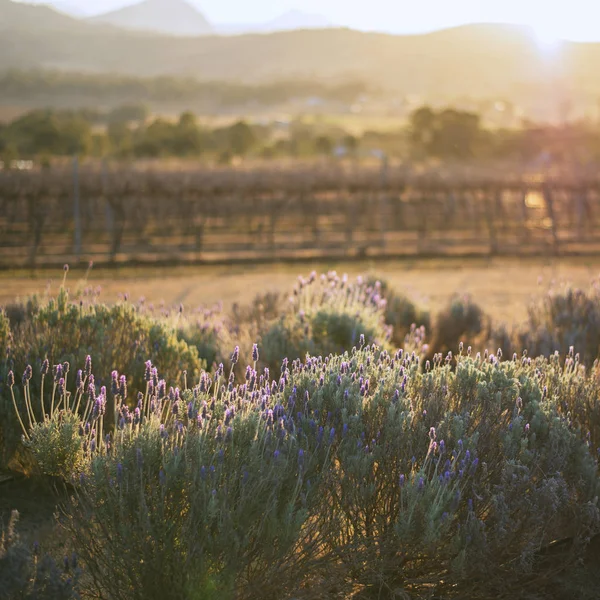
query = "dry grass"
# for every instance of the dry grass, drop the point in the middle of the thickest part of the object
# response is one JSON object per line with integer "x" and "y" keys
{"x": 503, "y": 287}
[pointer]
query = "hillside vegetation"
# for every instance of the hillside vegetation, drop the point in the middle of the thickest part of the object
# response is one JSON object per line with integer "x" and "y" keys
{"x": 486, "y": 60}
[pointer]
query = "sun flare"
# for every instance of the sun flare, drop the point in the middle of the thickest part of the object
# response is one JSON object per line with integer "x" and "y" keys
{"x": 547, "y": 37}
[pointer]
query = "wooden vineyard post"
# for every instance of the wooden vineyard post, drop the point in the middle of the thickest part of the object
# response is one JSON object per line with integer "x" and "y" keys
{"x": 76, "y": 207}
{"x": 549, "y": 202}
{"x": 382, "y": 200}
{"x": 490, "y": 202}
{"x": 108, "y": 209}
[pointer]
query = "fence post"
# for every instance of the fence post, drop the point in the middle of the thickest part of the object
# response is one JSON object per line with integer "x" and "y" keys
{"x": 76, "y": 207}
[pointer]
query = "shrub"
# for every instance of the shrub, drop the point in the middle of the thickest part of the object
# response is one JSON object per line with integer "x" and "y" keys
{"x": 363, "y": 466}
{"x": 326, "y": 315}
{"x": 26, "y": 575}
{"x": 462, "y": 320}
{"x": 199, "y": 493}
{"x": 563, "y": 318}
{"x": 400, "y": 312}
{"x": 121, "y": 336}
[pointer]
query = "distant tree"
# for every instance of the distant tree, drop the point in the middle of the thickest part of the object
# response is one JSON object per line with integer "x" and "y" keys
{"x": 129, "y": 113}
{"x": 241, "y": 138}
{"x": 446, "y": 134}
{"x": 351, "y": 144}
{"x": 188, "y": 139}
{"x": 324, "y": 145}
{"x": 46, "y": 132}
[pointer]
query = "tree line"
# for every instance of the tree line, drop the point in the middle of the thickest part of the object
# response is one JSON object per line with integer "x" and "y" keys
{"x": 130, "y": 131}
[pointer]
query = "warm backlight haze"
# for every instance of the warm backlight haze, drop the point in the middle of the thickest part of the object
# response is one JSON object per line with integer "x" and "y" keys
{"x": 575, "y": 20}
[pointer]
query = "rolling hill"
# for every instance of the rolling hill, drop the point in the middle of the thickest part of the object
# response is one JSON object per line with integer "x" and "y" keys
{"x": 175, "y": 17}
{"x": 479, "y": 61}
{"x": 27, "y": 17}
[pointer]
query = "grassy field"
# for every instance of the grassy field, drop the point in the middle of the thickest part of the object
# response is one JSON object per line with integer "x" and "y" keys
{"x": 502, "y": 287}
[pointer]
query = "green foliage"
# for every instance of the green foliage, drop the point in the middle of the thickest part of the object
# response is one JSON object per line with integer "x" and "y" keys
{"x": 326, "y": 315}
{"x": 462, "y": 320}
{"x": 445, "y": 134}
{"x": 24, "y": 575}
{"x": 400, "y": 312}
{"x": 565, "y": 317}
{"x": 400, "y": 476}
{"x": 48, "y": 132}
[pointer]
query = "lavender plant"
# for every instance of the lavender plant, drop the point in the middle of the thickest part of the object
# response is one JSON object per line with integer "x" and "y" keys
{"x": 400, "y": 312}
{"x": 25, "y": 574}
{"x": 565, "y": 316}
{"x": 462, "y": 320}
{"x": 120, "y": 337}
{"x": 326, "y": 314}
{"x": 367, "y": 468}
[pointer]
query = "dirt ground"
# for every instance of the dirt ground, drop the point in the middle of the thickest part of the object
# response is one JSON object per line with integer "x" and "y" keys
{"x": 504, "y": 287}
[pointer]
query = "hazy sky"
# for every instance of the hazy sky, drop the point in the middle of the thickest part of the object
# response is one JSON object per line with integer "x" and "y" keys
{"x": 570, "y": 19}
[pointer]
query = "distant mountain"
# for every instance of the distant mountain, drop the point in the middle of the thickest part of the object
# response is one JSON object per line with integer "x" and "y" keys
{"x": 174, "y": 17}
{"x": 479, "y": 61}
{"x": 70, "y": 8}
{"x": 289, "y": 21}
{"x": 29, "y": 17}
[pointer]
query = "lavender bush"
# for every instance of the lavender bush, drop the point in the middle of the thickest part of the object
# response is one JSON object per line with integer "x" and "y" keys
{"x": 400, "y": 312}
{"x": 121, "y": 337}
{"x": 326, "y": 314}
{"x": 25, "y": 574}
{"x": 564, "y": 317}
{"x": 462, "y": 320}
{"x": 366, "y": 468}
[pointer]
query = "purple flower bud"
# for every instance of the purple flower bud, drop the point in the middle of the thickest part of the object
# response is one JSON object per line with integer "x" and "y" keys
{"x": 45, "y": 367}
{"x": 255, "y": 352}
{"x": 235, "y": 356}
{"x": 61, "y": 386}
{"x": 27, "y": 375}
{"x": 119, "y": 473}
{"x": 421, "y": 484}
{"x": 162, "y": 478}
{"x": 402, "y": 480}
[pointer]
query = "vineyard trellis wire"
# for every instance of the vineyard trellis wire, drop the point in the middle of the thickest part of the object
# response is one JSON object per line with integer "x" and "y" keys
{"x": 128, "y": 214}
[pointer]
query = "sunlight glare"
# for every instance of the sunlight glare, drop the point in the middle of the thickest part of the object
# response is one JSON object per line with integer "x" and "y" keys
{"x": 547, "y": 37}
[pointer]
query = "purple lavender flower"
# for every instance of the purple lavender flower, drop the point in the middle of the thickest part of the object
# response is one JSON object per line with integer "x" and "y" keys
{"x": 421, "y": 484}
{"x": 162, "y": 478}
{"x": 235, "y": 356}
{"x": 61, "y": 386}
{"x": 139, "y": 458}
{"x": 45, "y": 367}
{"x": 88, "y": 365}
{"x": 255, "y": 354}
{"x": 402, "y": 480}
{"x": 119, "y": 473}
{"x": 27, "y": 375}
